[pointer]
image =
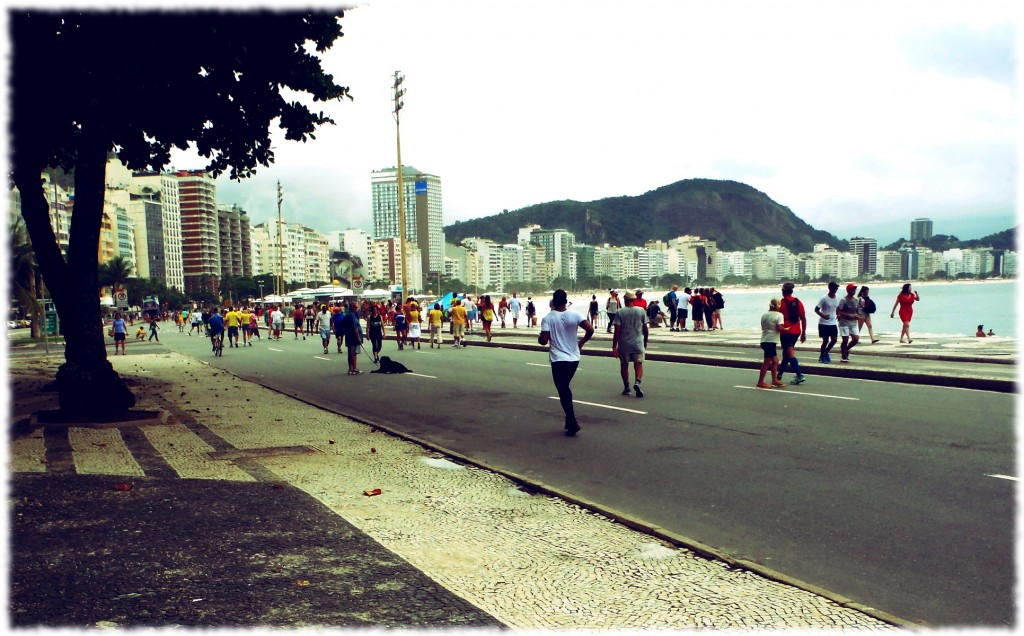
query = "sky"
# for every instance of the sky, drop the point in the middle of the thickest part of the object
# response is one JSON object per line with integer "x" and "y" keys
{"x": 859, "y": 117}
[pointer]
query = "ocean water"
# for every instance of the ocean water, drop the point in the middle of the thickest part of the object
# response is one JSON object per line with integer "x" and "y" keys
{"x": 945, "y": 309}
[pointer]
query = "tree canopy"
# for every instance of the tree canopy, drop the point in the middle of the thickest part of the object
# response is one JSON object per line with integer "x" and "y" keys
{"x": 86, "y": 83}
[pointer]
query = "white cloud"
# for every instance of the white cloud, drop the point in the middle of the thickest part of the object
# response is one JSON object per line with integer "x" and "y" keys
{"x": 892, "y": 110}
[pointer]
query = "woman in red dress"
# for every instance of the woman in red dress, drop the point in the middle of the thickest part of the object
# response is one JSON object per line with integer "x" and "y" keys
{"x": 905, "y": 301}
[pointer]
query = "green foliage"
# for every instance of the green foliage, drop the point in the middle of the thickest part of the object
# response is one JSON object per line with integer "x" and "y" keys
{"x": 115, "y": 272}
{"x": 140, "y": 84}
{"x": 736, "y": 215}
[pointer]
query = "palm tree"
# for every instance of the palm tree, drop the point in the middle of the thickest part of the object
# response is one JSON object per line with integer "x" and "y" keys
{"x": 24, "y": 274}
{"x": 115, "y": 272}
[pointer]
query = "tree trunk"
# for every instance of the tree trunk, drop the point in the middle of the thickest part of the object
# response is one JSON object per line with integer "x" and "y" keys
{"x": 87, "y": 384}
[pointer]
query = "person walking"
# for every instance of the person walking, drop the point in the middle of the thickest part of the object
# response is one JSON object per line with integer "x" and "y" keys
{"x": 458, "y": 315}
{"x": 232, "y": 320}
{"x": 611, "y": 307}
{"x": 847, "y": 312}
{"x": 153, "y": 329}
{"x": 865, "y": 309}
{"x": 298, "y": 318}
{"x": 277, "y": 320}
{"x": 323, "y": 325}
{"x": 353, "y": 337}
{"x": 120, "y": 333}
{"x": 197, "y": 322}
{"x": 401, "y": 326}
{"x": 514, "y": 307}
{"x": 434, "y": 320}
{"x": 794, "y": 328}
{"x": 905, "y": 301}
{"x": 531, "y": 312}
{"x": 254, "y": 327}
{"x": 629, "y": 342}
{"x": 472, "y": 312}
{"x": 412, "y": 321}
{"x": 772, "y": 325}
{"x": 502, "y": 310}
{"x": 375, "y": 331}
{"x": 828, "y": 325}
{"x": 486, "y": 309}
{"x": 560, "y": 328}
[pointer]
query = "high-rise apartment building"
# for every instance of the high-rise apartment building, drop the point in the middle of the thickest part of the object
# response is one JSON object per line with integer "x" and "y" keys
{"x": 200, "y": 231}
{"x": 235, "y": 241}
{"x": 866, "y": 252}
{"x": 421, "y": 198}
{"x": 920, "y": 229}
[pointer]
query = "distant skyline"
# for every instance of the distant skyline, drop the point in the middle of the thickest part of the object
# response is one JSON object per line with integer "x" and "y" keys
{"x": 859, "y": 118}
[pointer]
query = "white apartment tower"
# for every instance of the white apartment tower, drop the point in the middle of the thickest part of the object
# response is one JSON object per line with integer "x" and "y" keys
{"x": 421, "y": 198}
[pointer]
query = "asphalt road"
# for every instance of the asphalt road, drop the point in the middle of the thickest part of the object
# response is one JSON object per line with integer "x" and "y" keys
{"x": 893, "y": 495}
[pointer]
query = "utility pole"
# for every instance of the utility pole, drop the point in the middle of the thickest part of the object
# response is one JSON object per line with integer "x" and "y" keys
{"x": 398, "y": 92}
{"x": 280, "y": 248}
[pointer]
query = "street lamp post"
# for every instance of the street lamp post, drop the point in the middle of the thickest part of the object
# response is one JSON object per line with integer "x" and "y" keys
{"x": 398, "y": 92}
{"x": 261, "y": 292}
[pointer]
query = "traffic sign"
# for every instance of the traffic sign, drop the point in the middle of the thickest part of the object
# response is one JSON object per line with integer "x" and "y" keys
{"x": 357, "y": 282}
{"x": 121, "y": 298}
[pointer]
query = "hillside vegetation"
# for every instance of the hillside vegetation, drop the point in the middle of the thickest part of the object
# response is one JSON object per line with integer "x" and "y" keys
{"x": 734, "y": 214}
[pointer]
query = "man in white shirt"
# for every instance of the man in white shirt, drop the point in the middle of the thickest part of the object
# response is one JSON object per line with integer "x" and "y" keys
{"x": 560, "y": 328}
{"x": 277, "y": 320}
{"x": 514, "y": 306}
{"x": 828, "y": 325}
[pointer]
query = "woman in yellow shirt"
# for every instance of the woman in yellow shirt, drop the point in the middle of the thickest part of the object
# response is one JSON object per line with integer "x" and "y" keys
{"x": 434, "y": 319}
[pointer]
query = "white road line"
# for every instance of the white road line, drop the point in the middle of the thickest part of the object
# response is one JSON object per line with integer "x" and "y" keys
{"x": 603, "y": 406}
{"x": 834, "y": 397}
{"x": 273, "y": 349}
{"x": 537, "y": 364}
{"x": 1004, "y": 477}
{"x": 322, "y": 358}
{"x": 433, "y": 377}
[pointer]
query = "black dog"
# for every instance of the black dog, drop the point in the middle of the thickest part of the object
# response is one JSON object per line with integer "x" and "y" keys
{"x": 387, "y": 365}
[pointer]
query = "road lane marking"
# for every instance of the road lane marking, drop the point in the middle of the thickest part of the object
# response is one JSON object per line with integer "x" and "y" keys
{"x": 1004, "y": 477}
{"x": 433, "y": 377}
{"x": 603, "y": 406}
{"x": 537, "y": 364}
{"x": 322, "y": 358}
{"x": 273, "y": 349}
{"x": 834, "y": 397}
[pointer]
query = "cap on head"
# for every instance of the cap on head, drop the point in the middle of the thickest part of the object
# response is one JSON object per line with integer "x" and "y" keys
{"x": 833, "y": 285}
{"x": 629, "y": 296}
{"x": 851, "y": 287}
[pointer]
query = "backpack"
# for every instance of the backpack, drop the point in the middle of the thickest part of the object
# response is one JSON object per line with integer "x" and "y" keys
{"x": 667, "y": 300}
{"x": 869, "y": 306}
{"x": 792, "y": 310}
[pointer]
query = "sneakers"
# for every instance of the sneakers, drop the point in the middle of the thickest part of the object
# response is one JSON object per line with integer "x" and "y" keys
{"x": 636, "y": 389}
{"x": 571, "y": 429}
{"x": 763, "y": 385}
{"x": 325, "y": 350}
{"x": 844, "y": 359}
{"x": 625, "y": 391}
{"x": 798, "y": 379}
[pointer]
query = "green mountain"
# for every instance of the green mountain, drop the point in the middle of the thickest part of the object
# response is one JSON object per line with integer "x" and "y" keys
{"x": 734, "y": 214}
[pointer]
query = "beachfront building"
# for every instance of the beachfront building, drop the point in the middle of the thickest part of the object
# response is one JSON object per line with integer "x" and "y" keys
{"x": 920, "y": 229}
{"x": 865, "y": 250}
{"x": 422, "y": 203}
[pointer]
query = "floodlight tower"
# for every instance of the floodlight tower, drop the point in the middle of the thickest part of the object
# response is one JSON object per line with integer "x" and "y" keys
{"x": 398, "y": 92}
{"x": 280, "y": 247}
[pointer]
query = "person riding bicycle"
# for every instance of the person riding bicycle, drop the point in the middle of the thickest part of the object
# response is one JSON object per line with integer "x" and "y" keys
{"x": 216, "y": 328}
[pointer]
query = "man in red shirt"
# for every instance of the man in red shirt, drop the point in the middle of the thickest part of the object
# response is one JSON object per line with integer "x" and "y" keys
{"x": 640, "y": 301}
{"x": 794, "y": 327}
{"x": 298, "y": 316}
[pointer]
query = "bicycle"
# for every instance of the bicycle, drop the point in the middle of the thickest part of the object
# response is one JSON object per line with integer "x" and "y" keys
{"x": 218, "y": 343}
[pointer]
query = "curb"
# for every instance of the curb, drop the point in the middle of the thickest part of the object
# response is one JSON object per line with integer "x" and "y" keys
{"x": 981, "y": 384}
